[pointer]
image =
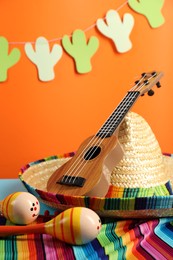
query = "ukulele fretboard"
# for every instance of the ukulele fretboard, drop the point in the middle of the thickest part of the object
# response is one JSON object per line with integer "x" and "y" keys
{"x": 118, "y": 115}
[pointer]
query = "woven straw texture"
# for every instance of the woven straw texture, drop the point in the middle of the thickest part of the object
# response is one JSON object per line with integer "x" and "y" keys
{"x": 142, "y": 164}
{"x": 141, "y": 184}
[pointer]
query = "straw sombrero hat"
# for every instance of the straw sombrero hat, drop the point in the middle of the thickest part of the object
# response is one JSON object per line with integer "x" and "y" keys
{"x": 140, "y": 186}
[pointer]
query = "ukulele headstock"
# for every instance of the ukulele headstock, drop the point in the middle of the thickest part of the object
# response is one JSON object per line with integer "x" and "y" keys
{"x": 146, "y": 82}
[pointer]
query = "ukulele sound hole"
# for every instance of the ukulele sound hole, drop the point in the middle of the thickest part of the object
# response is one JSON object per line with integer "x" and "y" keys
{"x": 92, "y": 153}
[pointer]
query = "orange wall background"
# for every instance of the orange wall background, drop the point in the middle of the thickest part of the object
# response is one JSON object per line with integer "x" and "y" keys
{"x": 39, "y": 119}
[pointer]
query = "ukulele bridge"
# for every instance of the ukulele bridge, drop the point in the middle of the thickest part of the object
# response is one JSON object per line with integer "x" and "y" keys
{"x": 72, "y": 181}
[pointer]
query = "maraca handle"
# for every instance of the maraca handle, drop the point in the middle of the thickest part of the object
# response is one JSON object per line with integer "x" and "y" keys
{"x": 19, "y": 230}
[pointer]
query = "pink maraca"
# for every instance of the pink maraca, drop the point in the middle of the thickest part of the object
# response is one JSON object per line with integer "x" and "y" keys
{"x": 75, "y": 226}
{"x": 20, "y": 208}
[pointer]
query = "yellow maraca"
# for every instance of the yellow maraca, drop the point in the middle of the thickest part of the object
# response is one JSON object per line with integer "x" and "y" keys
{"x": 75, "y": 226}
{"x": 20, "y": 208}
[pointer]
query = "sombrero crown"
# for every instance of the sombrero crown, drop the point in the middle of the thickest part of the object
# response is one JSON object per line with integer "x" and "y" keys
{"x": 143, "y": 170}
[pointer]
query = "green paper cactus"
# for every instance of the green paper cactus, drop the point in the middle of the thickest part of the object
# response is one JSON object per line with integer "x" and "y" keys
{"x": 80, "y": 50}
{"x": 44, "y": 58}
{"x": 149, "y": 8}
{"x": 7, "y": 59}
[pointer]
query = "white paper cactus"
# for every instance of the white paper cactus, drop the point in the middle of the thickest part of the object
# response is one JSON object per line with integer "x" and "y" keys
{"x": 117, "y": 30}
{"x": 44, "y": 58}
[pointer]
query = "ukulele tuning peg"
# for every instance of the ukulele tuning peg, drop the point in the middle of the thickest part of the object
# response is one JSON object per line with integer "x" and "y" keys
{"x": 154, "y": 73}
{"x": 136, "y": 82}
{"x": 158, "y": 84}
{"x": 150, "y": 92}
{"x": 146, "y": 82}
{"x": 143, "y": 74}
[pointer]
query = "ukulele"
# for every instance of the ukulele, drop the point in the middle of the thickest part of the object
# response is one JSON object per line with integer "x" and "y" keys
{"x": 88, "y": 171}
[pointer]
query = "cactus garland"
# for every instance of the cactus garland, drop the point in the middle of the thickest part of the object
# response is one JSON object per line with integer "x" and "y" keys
{"x": 77, "y": 45}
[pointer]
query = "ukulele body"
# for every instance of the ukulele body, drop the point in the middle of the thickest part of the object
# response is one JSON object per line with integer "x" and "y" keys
{"x": 87, "y": 173}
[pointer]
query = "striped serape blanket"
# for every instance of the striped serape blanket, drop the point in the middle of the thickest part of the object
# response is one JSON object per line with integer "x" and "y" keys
{"x": 118, "y": 239}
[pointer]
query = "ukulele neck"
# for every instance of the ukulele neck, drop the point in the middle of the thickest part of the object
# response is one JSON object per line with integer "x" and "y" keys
{"x": 117, "y": 116}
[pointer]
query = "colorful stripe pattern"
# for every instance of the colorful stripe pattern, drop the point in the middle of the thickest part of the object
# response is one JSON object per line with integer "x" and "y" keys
{"x": 120, "y": 199}
{"x": 124, "y": 239}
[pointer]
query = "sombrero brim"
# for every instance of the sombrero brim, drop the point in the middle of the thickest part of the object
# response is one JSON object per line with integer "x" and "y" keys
{"x": 35, "y": 175}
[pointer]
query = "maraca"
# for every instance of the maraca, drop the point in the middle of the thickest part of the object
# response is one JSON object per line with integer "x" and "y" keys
{"x": 75, "y": 226}
{"x": 20, "y": 208}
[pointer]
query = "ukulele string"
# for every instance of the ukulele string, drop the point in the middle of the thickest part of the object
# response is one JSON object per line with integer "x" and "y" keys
{"x": 93, "y": 151}
{"x": 132, "y": 97}
{"x": 101, "y": 139}
{"x": 77, "y": 161}
{"x": 97, "y": 141}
